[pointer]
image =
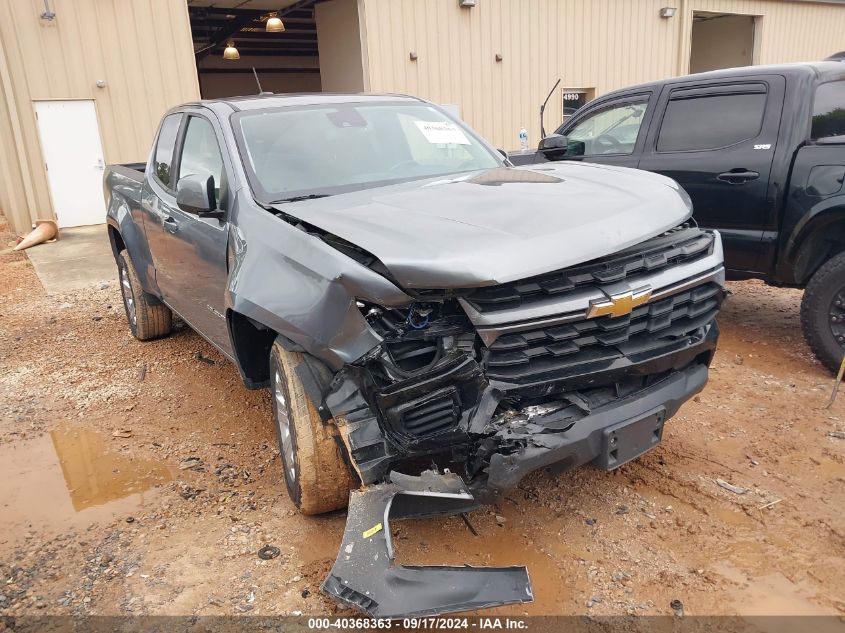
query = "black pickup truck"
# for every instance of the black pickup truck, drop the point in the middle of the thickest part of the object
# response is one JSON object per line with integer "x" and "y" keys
{"x": 761, "y": 152}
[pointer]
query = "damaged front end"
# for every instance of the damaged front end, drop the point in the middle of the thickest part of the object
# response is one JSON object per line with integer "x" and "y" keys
{"x": 487, "y": 385}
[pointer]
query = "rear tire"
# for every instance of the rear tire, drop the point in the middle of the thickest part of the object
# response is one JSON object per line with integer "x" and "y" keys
{"x": 823, "y": 313}
{"x": 147, "y": 320}
{"x": 317, "y": 477}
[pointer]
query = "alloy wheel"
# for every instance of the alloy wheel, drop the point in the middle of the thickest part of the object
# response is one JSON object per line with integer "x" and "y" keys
{"x": 283, "y": 420}
{"x": 128, "y": 296}
{"x": 837, "y": 317}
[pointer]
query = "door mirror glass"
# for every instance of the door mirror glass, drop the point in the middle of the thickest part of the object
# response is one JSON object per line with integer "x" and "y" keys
{"x": 195, "y": 194}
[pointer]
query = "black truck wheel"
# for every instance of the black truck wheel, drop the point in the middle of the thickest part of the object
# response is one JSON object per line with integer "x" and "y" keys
{"x": 317, "y": 477}
{"x": 823, "y": 313}
{"x": 147, "y": 320}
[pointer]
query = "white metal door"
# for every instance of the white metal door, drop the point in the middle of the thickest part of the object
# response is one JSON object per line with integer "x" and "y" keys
{"x": 70, "y": 140}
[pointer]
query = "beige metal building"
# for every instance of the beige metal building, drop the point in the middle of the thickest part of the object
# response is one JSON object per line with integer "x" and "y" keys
{"x": 84, "y": 82}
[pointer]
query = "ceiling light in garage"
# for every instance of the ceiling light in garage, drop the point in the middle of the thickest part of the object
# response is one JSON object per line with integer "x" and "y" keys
{"x": 274, "y": 24}
{"x": 231, "y": 52}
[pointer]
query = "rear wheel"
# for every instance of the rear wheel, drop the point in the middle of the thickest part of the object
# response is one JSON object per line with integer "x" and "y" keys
{"x": 147, "y": 319}
{"x": 317, "y": 477}
{"x": 823, "y": 312}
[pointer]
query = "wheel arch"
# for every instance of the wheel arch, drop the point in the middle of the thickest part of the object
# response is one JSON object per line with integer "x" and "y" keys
{"x": 115, "y": 240}
{"x": 816, "y": 240}
{"x": 124, "y": 233}
{"x": 252, "y": 344}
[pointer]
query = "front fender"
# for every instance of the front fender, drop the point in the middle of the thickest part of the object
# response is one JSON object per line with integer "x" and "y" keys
{"x": 298, "y": 286}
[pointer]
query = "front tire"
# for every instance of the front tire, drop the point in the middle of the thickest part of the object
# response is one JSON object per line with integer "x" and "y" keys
{"x": 823, "y": 313}
{"x": 147, "y": 320}
{"x": 316, "y": 475}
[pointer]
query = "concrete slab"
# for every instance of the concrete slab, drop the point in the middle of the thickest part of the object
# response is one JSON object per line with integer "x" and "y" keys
{"x": 81, "y": 258}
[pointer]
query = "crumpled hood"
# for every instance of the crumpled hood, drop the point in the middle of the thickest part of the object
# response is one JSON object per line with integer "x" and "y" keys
{"x": 500, "y": 225}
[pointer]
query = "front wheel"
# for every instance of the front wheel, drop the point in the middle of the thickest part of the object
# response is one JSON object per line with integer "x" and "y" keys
{"x": 823, "y": 312}
{"x": 317, "y": 477}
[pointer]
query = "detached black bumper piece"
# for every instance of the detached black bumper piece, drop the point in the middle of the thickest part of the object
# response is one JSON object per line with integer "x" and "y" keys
{"x": 365, "y": 577}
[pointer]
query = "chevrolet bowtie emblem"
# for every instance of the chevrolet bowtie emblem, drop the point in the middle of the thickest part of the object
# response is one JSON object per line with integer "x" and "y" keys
{"x": 619, "y": 304}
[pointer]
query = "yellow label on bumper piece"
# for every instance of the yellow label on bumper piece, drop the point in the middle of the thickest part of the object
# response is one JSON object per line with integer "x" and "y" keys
{"x": 373, "y": 530}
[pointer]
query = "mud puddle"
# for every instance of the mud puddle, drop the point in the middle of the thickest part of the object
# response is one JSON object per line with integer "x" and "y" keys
{"x": 771, "y": 594}
{"x": 448, "y": 541}
{"x": 70, "y": 478}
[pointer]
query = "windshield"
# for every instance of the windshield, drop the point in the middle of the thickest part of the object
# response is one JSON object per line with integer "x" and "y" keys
{"x": 320, "y": 150}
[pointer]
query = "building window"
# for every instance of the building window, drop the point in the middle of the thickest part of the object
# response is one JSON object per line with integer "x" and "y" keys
{"x": 574, "y": 98}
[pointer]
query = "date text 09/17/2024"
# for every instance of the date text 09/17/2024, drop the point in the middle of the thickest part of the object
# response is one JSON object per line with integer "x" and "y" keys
{"x": 427, "y": 623}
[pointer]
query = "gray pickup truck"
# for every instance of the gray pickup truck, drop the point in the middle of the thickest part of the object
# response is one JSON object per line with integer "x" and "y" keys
{"x": 433, "y": 323}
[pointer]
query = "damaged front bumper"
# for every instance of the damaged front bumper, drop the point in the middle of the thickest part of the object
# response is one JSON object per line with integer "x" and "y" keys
{"x": 492, "y": 451}
{"x": 591, "y": 439}
{"x": 531, "y": 380}
{"x": 365, "y": 577}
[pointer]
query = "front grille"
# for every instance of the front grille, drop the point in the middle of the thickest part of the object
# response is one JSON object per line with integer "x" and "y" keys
{"x": 437, "y": 412}
{"x": 680, "y": 245}
{"x": 559, "y": 351}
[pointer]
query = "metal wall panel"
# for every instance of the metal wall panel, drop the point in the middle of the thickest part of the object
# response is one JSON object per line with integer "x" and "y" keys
{"x": 141, "y": 48}
{"x": 601, "y": 44}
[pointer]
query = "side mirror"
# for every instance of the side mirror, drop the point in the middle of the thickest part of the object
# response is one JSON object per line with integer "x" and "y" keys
{"x": 554, "y": 146}
{"x": 195, "y": 194}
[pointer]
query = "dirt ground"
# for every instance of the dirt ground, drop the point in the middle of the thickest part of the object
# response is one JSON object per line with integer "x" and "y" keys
{"x": 142, "y": 478}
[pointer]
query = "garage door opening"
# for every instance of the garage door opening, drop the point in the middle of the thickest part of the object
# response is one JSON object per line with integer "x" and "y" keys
{"x": 316, "y": 48}
{"x": 721, "y": 40}
{"x": 285, "y": 60}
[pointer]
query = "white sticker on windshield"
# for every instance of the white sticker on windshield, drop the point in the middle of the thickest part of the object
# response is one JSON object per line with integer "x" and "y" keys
{"x": 444, "y": 132}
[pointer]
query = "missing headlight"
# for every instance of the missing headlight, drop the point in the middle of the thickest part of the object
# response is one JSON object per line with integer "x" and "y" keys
{"x": 417, "y": 336}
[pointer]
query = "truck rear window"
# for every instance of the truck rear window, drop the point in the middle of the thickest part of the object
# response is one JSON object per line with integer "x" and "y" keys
{"x": 164, "y": 148}
{"x": 829, "y": 111}
{"x": 711, "y": 121}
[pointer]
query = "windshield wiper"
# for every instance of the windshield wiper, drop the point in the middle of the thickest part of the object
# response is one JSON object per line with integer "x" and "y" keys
{"x": 310, "y": 196}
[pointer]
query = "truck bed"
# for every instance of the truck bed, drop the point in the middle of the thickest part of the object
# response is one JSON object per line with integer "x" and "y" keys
{"x": 132, "y": 171}
{"x": 126, "y": 181}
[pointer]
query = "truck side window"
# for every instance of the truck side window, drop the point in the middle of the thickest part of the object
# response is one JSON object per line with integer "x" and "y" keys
{"x": 829, "y": 110}
{"x": 164, "y": 148}
{"x": 201, "y": 153}
{"x": 711, "y": 121}
{"x": 611, "y": 130}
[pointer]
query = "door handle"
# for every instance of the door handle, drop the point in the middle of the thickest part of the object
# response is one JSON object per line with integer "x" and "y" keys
{"x": 170, "y": 224}
{"x": 738, "y": 176}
